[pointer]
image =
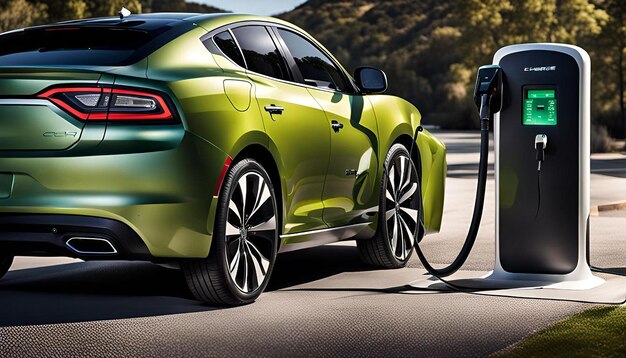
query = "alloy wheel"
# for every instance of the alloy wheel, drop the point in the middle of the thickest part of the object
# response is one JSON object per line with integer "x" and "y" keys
{"x": 401, "y": 206}
{"x": 250, "y": 232}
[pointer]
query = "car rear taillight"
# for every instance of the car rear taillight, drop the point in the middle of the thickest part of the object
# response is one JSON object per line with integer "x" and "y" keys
{"x": 114, "y": 104}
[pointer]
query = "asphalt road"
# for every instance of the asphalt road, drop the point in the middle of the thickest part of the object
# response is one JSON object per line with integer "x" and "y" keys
{"x": 320, "y": 302}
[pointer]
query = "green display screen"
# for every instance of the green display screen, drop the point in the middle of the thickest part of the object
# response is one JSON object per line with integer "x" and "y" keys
{"x": 539, "y": 107}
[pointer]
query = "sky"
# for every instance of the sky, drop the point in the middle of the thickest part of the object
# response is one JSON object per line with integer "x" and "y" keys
{"x": 256, "y": 7}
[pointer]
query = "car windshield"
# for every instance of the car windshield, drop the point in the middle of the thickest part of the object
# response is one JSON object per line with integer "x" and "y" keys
{"x": 79, "y": 45}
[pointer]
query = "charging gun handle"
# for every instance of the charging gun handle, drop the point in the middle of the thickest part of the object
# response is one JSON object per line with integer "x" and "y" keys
{"x": 485, "y": 112}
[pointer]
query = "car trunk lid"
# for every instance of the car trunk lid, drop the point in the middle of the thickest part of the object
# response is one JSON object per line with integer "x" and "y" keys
{"x": 28, "y": 122}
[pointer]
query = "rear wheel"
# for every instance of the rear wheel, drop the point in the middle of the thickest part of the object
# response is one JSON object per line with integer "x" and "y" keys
{"x": 245, "y": 240}
{"x": 5, "y": 264}
{"x": 399, "y": 215}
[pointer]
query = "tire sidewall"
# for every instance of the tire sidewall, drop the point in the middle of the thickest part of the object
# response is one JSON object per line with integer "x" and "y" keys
{"x": 219, "y": 240}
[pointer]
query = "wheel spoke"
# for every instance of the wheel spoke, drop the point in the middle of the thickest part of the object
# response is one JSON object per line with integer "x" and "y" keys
{"x": 260, "y": 263}
{"x": 410, "y": 235}
{"x": 389, "y": 214}
{"x": 406, "y": 166}
{"x": 262, "y": 196}
{"x": 233, "y": 207}
{"x": 400, "y": 242}
{"x": 412, "y": 213}
{"x": 408, "y": 193}
{"x": 231, "y": 230}
{"x": 233, "y": 266}
{"x": 394, "y": 235}
{"x": 262, "y": 215}
{"x": 245, "y": 270}
{"x": 243, "y": 187}
{"x": 269, "y": 224}
{"x": 402, "y": 171}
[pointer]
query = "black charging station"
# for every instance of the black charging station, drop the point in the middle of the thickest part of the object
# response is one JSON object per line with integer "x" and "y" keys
{"x": 542, "y": 166}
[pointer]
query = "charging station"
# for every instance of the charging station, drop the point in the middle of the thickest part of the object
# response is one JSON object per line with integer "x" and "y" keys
{"x": 542, "y": 166}
{"x": 538, "y": 96}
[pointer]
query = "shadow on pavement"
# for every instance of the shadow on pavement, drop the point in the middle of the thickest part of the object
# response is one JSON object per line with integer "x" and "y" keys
{"x": 89, "y": 291}
{"x": 617, "y": 271}
{"x": 304, "y": 266}
{"x": 98, "y": 290}
{"x": 615, "y": 167}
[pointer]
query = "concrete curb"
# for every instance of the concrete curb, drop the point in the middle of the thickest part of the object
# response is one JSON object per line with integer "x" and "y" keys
{"x": 596, "y": 210}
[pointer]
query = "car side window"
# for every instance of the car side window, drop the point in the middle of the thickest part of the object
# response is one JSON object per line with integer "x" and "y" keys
{"x": 229, "y": 47}
{"x": 260, "y": 51}
{"x": 317, "y": 69}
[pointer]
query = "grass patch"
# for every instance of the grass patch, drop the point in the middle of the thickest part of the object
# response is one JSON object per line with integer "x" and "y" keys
{"x": 597, "y": 332}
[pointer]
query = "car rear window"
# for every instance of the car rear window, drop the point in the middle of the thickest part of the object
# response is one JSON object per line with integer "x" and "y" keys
{"x": 98, "y": 46}
{"x": 260, "y": 51}
{"x": 227, "y": 44}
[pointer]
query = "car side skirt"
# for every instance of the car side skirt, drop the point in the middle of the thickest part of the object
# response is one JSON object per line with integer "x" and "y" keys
{"x": 304, "y": 240}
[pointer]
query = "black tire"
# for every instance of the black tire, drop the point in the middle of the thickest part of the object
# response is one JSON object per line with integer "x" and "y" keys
{"x": 386, "y": 250}
{"x": 5, "y": 264}
{"x": 219, "y": 279}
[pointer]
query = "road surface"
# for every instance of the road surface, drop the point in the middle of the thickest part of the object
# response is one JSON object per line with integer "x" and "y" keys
{"x": 320, "y": 302}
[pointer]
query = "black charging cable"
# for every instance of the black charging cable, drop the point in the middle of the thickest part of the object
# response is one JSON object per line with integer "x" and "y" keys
{"x": 485, "y": 115}
{"x": 488, "y": 99}
{"x": 421, "y": 222}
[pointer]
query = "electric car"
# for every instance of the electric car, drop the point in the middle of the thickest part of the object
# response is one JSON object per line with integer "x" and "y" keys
{"x": 212, "y": 142}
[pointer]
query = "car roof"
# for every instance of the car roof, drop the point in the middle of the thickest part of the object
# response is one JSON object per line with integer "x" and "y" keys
{"x": 152, "y": 21}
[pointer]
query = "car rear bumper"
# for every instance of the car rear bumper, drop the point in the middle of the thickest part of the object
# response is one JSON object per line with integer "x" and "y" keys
{"x": 57, "y": 235}
{"x": 163, "y": 198}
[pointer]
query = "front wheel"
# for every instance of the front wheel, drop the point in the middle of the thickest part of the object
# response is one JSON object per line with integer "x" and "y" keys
{"x": 5, "y": 264}
{"x": 399, "y": 214}
{"x": 245, "y": 240}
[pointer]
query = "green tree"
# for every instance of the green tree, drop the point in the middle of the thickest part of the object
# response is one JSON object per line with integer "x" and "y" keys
{"x": 490, "y": 24}
{"x": 77, "y": 8}
{"x": 98, "y": 8}
{"x": 608, "y": 52}
{"x": 15, "y": 14}
{"x": 62, "y": 10}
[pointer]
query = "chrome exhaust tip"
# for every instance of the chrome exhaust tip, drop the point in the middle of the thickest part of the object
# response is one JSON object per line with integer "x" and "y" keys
{"x": 91, "y": 246}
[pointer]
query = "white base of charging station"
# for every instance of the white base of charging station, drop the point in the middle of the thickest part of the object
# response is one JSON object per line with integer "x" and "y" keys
{"x": 578, "y": 280}
{"x": 490, "y": 281}
{"x": 590, "y": 289}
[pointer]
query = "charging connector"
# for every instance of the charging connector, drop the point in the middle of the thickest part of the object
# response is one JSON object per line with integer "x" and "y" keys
{"x": 541, "y": 142}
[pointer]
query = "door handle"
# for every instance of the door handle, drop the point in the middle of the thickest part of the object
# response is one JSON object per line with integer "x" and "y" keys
{"x": 336, "y": 126}
{"x": 274, "y": 109}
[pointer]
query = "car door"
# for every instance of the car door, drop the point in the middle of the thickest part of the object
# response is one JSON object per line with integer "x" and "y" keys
{"x": 297, "y": 127}
{"x": 349, "y": 195}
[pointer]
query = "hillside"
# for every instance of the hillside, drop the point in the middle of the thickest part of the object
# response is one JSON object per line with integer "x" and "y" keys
{"x": 412, "y": 41}
{"x": 177, "y": 6}
{"x": 430, "y": 49}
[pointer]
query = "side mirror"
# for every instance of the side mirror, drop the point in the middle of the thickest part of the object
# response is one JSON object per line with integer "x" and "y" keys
{"x": 370, "y": 79}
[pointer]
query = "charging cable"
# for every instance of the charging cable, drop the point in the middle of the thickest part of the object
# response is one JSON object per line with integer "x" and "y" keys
{"x": 485, "y": 116}
{"x": 541, "y": 142}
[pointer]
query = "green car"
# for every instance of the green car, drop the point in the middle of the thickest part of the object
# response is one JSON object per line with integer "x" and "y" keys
{"x": 212, "y": 142}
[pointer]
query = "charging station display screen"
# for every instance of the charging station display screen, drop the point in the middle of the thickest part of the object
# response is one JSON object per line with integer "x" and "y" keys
{"x": 539, "y": 107}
